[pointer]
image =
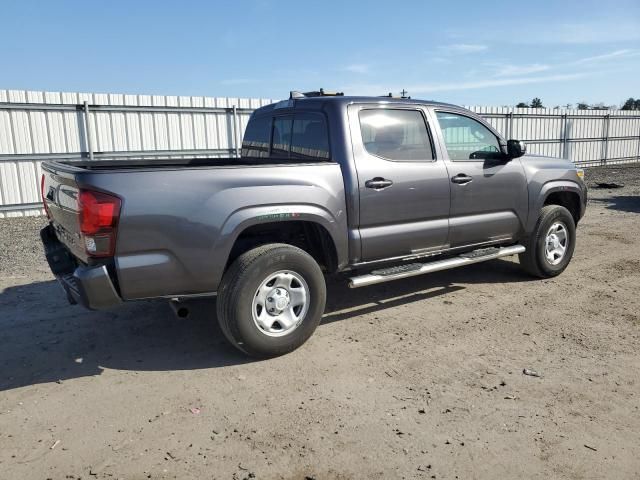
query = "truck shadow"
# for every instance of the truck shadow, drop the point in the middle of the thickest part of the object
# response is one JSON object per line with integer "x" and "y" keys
{"x": 344, "y": 303}
{"x": 614, "y": 199}
{"x": 623, "y": 203}
{"x": 46, "y": 340}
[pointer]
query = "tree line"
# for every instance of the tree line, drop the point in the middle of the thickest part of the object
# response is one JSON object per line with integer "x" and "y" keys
{"x": 630, "y": 104}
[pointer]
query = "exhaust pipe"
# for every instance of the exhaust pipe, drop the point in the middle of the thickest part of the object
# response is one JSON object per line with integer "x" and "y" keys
{"x": 179, "y": 309}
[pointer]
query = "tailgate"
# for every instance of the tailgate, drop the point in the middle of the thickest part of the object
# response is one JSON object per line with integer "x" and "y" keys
{"x": 60, "y": 192}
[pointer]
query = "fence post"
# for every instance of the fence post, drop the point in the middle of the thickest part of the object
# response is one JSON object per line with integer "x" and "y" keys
{"x": 564, "y": 136}
{"x": 87, "y": 129}
{"x": 605, "y": 128}
{"x": 638, "y": 155}
{"x": 510, "y": 115}
{"x": 235, "y": 132}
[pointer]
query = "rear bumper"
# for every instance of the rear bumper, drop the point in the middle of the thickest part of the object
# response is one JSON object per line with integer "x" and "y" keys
{"x": 89, "y": 286}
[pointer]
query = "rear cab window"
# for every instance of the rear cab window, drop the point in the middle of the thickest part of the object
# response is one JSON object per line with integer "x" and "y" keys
{"x": 255, "y": 142}
{"x": 281, "y": 137}
{"x": 300, "y": 135}
{"x": 309, "y": 137}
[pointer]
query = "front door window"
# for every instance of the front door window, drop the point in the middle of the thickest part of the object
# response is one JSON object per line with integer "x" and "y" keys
{"x": 466, "y": 138}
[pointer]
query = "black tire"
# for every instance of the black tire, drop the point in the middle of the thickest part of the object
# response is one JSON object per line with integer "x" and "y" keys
{"x": 534, "y": 259}
{"x": 239, "y": 288}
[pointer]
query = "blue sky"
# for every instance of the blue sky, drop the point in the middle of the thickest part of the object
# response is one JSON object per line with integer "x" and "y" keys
{"x": 466, "y": 52}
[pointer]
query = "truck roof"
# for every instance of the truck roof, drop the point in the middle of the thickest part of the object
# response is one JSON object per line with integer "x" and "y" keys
{"x": 318, "y": 102}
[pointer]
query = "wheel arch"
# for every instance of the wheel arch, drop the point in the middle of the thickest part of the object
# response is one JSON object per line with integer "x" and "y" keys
{"x": 567, "y": 199}
{"x": 308, "y": 227}
{"x": 565, "y": 193}
{"x": 308, "y": 235}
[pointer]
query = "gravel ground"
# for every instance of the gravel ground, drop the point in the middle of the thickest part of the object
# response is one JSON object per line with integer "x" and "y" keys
{"x": 21, "y": 253}
{"x": 414, "y": 379}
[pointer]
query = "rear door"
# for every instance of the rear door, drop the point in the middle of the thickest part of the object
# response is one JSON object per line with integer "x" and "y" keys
{"x": 404, "y": 190}
{"x": 489, "y": 196}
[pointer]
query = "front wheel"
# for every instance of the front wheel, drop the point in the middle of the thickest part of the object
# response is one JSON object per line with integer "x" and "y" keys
{"x": 271, "y": 300}
{"x": 551, "y": 244}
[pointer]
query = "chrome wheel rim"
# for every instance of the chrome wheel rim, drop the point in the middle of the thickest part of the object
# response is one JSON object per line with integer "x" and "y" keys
{"x": 556, "y": 243}
{"x": 280, "y": 304}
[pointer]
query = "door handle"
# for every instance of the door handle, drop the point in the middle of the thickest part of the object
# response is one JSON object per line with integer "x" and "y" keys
{"x": 378, "y": 183}
{"x": 461, "y": 179}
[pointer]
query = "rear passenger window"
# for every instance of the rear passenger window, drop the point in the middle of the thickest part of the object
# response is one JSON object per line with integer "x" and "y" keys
{"x": 309, "y": 139}
{"x": 395, "y": 134}
{"x": 256, "y": 139}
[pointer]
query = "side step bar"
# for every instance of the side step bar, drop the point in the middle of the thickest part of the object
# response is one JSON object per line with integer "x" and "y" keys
{"x": 413, "y": 269}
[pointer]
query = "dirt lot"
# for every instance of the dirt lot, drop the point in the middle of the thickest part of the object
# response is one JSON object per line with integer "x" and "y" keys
{"x": 415, "y": 379}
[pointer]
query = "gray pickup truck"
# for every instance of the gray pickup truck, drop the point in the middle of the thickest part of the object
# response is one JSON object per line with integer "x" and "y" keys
{"x": 381, "y": 188}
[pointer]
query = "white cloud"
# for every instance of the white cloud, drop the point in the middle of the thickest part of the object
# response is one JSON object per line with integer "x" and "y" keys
{"x": 515, "y": 70}
{"x": 498, "y": 82}
{"x": 358, "y": 68}
{"x": 376, "y": 89}
{"x": 462, "y": 48}
{"x": 589, "y": 32}
{"x": 505, "y": 70}
{"x": 625, "y": 53}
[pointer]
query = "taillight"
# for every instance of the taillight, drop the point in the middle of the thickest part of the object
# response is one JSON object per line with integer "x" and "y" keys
{"x": 99, "y": 214}
{"x": 44, "y": 201}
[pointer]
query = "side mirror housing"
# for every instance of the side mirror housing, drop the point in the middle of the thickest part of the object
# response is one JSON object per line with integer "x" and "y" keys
{"x": 516, "y": 148}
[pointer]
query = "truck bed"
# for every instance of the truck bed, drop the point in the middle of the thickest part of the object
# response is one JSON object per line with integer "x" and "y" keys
{"x": 179, "y": 219}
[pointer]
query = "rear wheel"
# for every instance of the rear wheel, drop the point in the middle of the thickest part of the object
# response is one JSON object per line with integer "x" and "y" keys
{"x": 271, "y": 300}
{"x": 550, "y": 247}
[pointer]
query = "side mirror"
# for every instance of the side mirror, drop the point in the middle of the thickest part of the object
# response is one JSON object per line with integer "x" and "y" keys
{"x": 516, "y": 148}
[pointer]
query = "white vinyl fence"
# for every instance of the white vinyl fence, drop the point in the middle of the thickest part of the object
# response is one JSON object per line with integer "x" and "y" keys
{"x": 586, "y": 137}
{"x": 38, "y": 126}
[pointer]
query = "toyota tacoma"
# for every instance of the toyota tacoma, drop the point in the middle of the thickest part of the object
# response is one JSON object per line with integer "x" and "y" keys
{"x": 380, "y": 188}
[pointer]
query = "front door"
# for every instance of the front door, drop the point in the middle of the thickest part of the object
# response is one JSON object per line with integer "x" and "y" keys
{"x": 489, "y": 196}
{"x": 403, "y": 189}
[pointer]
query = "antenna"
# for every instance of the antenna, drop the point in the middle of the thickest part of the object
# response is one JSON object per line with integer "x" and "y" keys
{"x": 403, "y": 94}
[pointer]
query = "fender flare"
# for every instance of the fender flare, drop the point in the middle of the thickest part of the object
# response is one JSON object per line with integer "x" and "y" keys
{"x": 247, "y": 217}
{"x": 547, "y": 189}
